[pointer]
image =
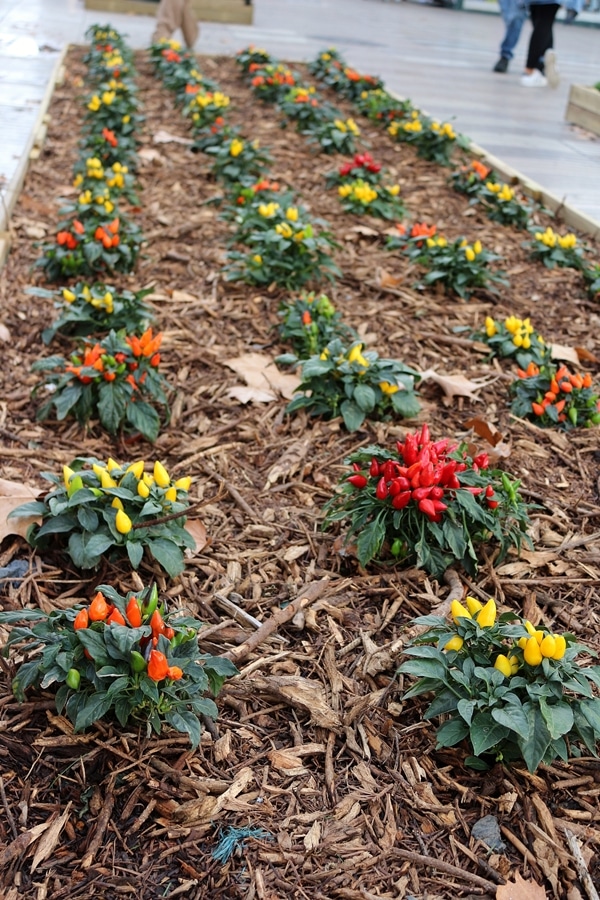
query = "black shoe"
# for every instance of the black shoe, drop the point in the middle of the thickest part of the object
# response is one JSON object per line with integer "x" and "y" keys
{"x": 570, "y": 15}
{"x": 501, "y": 65}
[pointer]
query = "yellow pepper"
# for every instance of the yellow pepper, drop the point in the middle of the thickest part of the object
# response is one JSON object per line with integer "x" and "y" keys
{"x": 183, "y": 484}
{"x": 123, "y": 523}
{"x": 503, "y": 665}
{"x": 161, "y": 476}
{"x": 548, "y": 646}
{"x": 532, "y": 653}
{"x": 487, "y": 616}
{"x": 560, "y": 646}
{"x": 454, "y": 643}
{"x": 458, "y": 611}
{"x": 137, "y": 468}
{"x": 473, "y": 605}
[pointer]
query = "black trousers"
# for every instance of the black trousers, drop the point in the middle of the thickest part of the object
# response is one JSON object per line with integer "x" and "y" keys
{"x": 542, "y": 19}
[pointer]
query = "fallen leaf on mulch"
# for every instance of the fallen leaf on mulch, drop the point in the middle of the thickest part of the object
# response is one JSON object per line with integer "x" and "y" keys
{"x": 456, "y": 385}
{"x": 198, "y": 532}
{"x": 165, "y": 137}
{"x": 586, "y": 355}
{"x": 490, "y": 434}
{"x": 13, "y": 494}
{"x": 4, "y": 333}
{"x": 49, "y": 839}
{"x": 385, "y": 280}
{"x": 289, "y": 462}
{"x": 568, "y": 354}
{"x": 520, "y": 890}
{"x": 264, "y": 378}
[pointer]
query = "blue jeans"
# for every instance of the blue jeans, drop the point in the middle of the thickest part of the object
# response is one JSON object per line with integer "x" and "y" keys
{"x": 513, "y": 15}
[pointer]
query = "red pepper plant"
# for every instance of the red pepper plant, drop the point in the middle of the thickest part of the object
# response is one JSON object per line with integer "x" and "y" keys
{"x": 115, "y": 380}
{"x": 87, "y": 309}
{"x": 555, "y": 397}
{"x": 379, "y": 106}
{"x": 310, "y": 323}
{"x": 344, "y": 381}
{"x": 362, "y": 166}
{"x": 120, "y": 658}
{"x": 98, "y": 510}
{"x": 507, "y": 690}
{"x": 428, "y": 503}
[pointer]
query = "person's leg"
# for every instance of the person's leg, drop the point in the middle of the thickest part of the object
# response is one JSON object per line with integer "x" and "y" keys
{"x": 174, "y": 14}
{"x": 537, "y": 41}
{"x": 189, "y": 25}
{"x": 513, "y": 16}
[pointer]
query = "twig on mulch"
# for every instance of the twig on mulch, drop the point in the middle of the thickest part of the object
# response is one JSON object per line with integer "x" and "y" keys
{"x": 582, "y": 869}
{"x": 448, "y": 868}
{"x": 103, "y": 820}
{"x": 310, "y": 593}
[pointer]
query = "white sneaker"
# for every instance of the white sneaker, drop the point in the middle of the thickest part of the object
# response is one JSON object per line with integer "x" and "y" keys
{"x": 534, "y": 79}
{"x": 550, "y": 69}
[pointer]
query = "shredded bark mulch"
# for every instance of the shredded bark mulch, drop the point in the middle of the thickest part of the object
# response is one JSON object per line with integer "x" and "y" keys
{"x": 333, "y": 784}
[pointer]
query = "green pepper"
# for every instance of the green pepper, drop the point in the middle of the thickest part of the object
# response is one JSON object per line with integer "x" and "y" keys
{"x": 73, "y": 679}
{"x": 573, "y": 415}
{"x": 149, "y": 607}
{"x": 396, "y": 548}
{"x": 75, "y": 484}
{"x": 137, "y": 661}
{"x": 509, "y": 487}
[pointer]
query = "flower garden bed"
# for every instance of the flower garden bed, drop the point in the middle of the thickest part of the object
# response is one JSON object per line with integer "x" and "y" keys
{"x": 329, "y": 775}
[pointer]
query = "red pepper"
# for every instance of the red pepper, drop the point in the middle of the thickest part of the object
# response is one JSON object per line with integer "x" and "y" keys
{"x": 489, "y": 491}
{"x": 424, "y": 457}
{"x": 474, "y": 491}
{"x": 356, "y": 467}
{"x": 156, "y": 624}
{"x": 401, "y": 500}
{"x": 492, "y": 504}
{"x": 358, "y": 481}
{"x": 374, "y": 468}
{"x": 436, "y": 493}
{"x": 409, "y": 451}
{"x": 439, "y": 506}
{"x": 381, "y": 491}
{"x": 424, "y": 434}
{"x": 415, "y": 481}
{"x": 482, "y": 461}
{"x": 427, "y": 508}
{"x": 427, "y": 475}
{"x": 389, "y": 470}
{"x": 421, "y": 493}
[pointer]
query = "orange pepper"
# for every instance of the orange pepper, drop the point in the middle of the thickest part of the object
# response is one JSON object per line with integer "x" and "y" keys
{"x": 566, "y": 387}
{"x": 116, "y": 618}
{"x": 134, "y": 613}
{"x": 538, "y": 410}
{"x": 560, "y": 406}
{"x": 158, "y": 666}
{"x": 550, "y": 395}
{"x": 99, "y": 609}
{"x": 587, "y": 380}
{"x": 554, "y": 386}
{"x": 82, "y": 620}
{"x": 576, "y": 381}
{"x": 175, "y": 673}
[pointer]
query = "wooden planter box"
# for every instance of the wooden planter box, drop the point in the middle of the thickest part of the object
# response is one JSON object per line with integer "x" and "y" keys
{"x": 237, "y": 11}
{"x": 583, "y": 107}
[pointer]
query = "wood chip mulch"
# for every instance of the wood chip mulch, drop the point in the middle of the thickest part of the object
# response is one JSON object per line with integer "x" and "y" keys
{"x": 314, "y": 751}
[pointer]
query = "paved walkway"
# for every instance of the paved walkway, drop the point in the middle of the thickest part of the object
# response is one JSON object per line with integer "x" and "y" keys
{"x": 441, "y": 59}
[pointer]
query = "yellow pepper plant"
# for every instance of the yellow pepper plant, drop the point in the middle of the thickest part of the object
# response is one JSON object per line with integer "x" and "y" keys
{"x": 507, "y": 691}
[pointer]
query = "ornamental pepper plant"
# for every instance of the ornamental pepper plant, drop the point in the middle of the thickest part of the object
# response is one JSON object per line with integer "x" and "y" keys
{"x": 252, "y": 58}
{"x": 513, "y": 338}
{"x": 85, "y": 309}
{"x": 335, "y": 135}
{"x": 460, "y": 267}
{"x": 470, "y": 179}
{"x": 502, "y": 204}
{"x": 379, "y": 106}
{"x": 344, "y": 381}
{"x": 310, "y": 323}
{"x": 115, "y": 380}
{"x": 91, "y": 175}
{"x": 205, "y": 107}
{"x": 362, "y": 167}
{"x": 292, "y": 252}
{"x": 271, "y": 82}
{"x": 303, "y": 106}
{"x": 555, "y": 397}
{"x": 234, "y": 158}
{"x": 361, "y": 198}
{"x": 108, "y": 509}
{"x": 428, "y": 503}
{"x": 433, "y": 141}
{"x": 122, "y": 658}
{"x": 405, "y": 239}
{"x": 507, "y": 690}
{"x": 555, "y": 249}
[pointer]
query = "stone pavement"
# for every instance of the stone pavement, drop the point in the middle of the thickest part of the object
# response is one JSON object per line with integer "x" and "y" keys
{"x": 442, "y": 59}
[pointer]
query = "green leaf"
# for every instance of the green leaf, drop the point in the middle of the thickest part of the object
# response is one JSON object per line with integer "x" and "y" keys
{"x": 370, "y": 540}
{"x": 406, "y": 404}
{"x": 168, "y": 555}
{"x": 315, "y": 367}
{"x": 96, "y": 706}
{"x": 66, "y": 400}
{"x": 424, "y": 668}
{"x": 485, "y": 733}
{"x": 451, "y": 733}
{"x": 57, "y": 525}
{"x": 558, "y": 717}
{"x": 145, "y": 418}
{"x": 111, "y": 406}
{"x": 466, "y": 708}
{"x": 534, "y": 743}
{"x": 87, "y": 518}
{"x": 512, "y": 717}
{"x": 364, "y": 397}
{"x": 352, "y": 415}
{"x": 187, "y": 723}
{"x": 95, "y": 646}
{"x": 591, "y": 711}
{"x": 33, "y": 508}
{"x": 135, "y": 552}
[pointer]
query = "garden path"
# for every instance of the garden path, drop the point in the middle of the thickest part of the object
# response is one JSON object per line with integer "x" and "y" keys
{"x": 440, "y": 58}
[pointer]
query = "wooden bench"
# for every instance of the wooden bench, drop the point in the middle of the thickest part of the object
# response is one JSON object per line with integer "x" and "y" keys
{"x": 232, "y": 11}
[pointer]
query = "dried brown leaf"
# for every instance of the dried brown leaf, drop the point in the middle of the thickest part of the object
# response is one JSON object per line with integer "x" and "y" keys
{"x": 198, "y": 532}
{"x": 456, "y": 385}
{"x": 260, "y": 372}
{"x": 4, "y": 332}
{"x": 484, "y": 430}
{"x": 519, "y": 889}
{"x": 386, "y": 280}
{"x": 165, "y": 137}
{"x": 567, "y": 354}
{"x": 13, "y": 494}
{"x": 586, "y": 355}
{"x": 288, "y": 463}
{"x": 49, "y": 839}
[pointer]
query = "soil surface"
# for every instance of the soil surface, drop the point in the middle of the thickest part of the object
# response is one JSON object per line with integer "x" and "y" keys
{"x": 313, "y": 746}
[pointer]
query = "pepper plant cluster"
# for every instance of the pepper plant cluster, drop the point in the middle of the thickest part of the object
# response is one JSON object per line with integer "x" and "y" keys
{"x": 501, "y": 202}
{"x": 427, "y": 502}
{"x": 513, "y": 338}
{"x": 276, "y": 239}
{"x": 362, "y": 191}
{"x": 118, "y": 656}
{"x": 553, "y": 396}
{"x": 506, "y": 689}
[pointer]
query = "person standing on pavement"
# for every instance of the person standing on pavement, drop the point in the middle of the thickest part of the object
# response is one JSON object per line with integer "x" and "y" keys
{"x": 174, "y": 14}
{"x": 540, "y": 68}
{"x": 514, "y": 13}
